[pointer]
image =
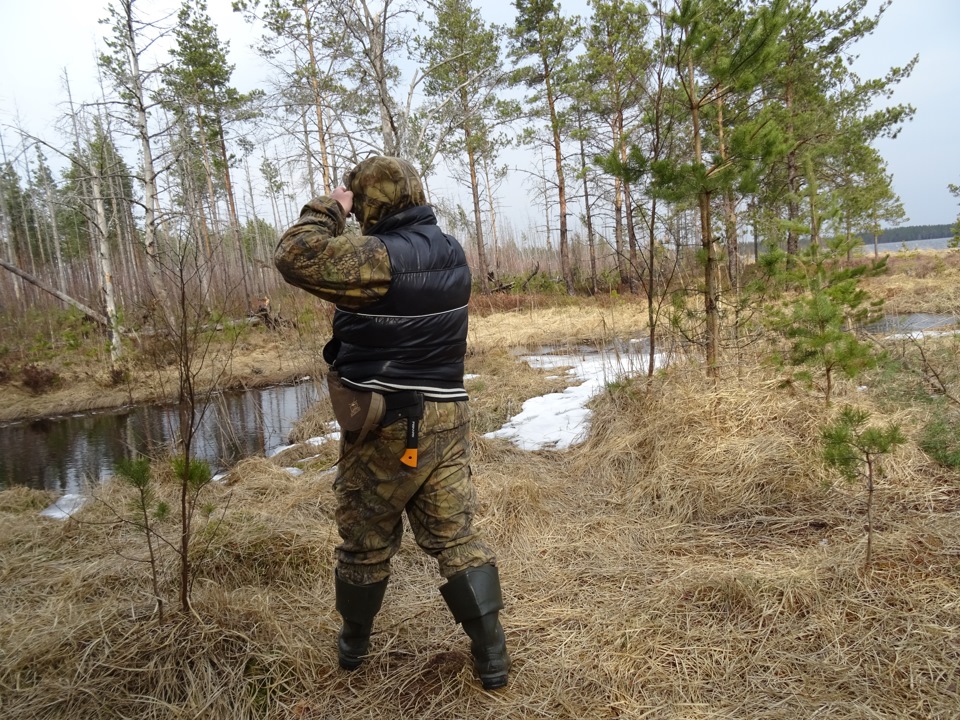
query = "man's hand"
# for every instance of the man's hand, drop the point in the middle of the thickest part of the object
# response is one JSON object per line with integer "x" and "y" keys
{"x": 344, "y": 197}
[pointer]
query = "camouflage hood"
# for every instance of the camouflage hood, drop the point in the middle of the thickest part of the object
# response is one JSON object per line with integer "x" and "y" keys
{"x": 383, "y": 186}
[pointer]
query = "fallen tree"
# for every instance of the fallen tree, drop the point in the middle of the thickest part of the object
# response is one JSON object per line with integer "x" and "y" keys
{"x": 89, "y": 312}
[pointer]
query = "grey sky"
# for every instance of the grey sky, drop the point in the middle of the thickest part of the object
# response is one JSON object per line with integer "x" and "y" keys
{"x": 39, "y": 39}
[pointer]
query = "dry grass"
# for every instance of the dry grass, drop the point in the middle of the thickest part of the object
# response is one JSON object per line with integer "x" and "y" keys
{"x": 595, "y": 321}
{"x": 920, "y": 282}
{"x": 690, "y": 560}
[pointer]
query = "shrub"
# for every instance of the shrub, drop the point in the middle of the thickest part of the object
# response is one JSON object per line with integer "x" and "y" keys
{"x": 940, "y": 439}
{"x": 39, "y": 379}
{"x": 119, "y": 374}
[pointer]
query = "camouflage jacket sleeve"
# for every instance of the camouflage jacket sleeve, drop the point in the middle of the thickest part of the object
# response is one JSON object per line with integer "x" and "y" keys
{"x": 316, "y": 255}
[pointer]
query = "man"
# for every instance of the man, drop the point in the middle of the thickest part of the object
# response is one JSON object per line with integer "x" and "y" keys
{"x": 396, "y": 383}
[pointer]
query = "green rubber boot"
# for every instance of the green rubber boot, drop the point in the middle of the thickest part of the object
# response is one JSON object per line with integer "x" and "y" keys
{"x": 357, "y": 605}
{"x": 473, "y": 596}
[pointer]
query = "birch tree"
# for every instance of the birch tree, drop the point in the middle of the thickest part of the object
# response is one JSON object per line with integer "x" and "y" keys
{"x": 130, "y": 36}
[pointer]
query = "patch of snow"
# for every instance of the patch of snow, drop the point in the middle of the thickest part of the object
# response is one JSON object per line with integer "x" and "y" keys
{"x": 295, "y": 471}
{"x": 471, "y": 377}
{"x": 921, "y": 334}
{"x": 559, "y": 420}
{"x": 278, "y": 450}
{"x": 219, "y": 477}
{"x": 64, "y": 507}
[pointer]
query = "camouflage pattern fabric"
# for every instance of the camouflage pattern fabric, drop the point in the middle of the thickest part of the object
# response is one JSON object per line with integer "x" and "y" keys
{"x": 382, "y": 186}
{"x": 373, "y": 489}
{"x": 315, "y": 255}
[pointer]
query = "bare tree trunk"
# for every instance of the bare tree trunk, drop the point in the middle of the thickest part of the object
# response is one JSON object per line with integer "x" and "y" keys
{"x": 7, "y": 229}
{"x": 588, "y": 218}
{"x": 259, "y": 255}
{"x": 729, "y": 214}
{"x": 232, "y": 207}
{"x": 475, "y": 193}
{"x": 57, "y": 254}
{"x": 565, "y": 268}
{"x": 39, "y": 220}
{"x": 373, "y": 36}
{"x": 814, "y": 218}
{"x": 151, "y": 200}
{"x": 631, "y": 237}
{"x": 710, "y": 289}
{"x": 309, "y": 156}
{"x": 793, "y": 182}
{"x": 197, "y": 220}
{"x": 618, "y": 215}
{"x": 633, "y": 264}
{"x": 651, "y": 289}
{"x": 493, "y": 217}
{"x": 106, "y": 267}
{"x": 317, "y": 102}
{"x": 25, "y": 219}
{"x": 212, "y": 200}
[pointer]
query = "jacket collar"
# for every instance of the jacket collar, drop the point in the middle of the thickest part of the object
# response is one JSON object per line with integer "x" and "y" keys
{"x": 419, "y": 215}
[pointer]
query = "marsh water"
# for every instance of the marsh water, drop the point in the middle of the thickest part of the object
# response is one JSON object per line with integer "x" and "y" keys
{"x": 64, "y": 453}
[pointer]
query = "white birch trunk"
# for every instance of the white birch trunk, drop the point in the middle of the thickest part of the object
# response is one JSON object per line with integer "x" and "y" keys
{"x": 106, "y": 268}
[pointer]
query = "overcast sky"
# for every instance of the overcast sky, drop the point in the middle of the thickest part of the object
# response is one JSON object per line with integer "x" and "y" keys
{"x": 39, "y": 39}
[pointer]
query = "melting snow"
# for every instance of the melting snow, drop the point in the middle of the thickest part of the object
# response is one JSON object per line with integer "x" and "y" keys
{"x": 64, "y": 507}
{"x": 559, "y": 420}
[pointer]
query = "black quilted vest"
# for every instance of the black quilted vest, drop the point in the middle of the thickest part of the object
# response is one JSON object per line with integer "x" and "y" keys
{"x": 415, "y": 337}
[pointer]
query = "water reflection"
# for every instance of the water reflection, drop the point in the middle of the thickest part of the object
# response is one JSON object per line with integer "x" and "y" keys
{"x": 60, "y": 454}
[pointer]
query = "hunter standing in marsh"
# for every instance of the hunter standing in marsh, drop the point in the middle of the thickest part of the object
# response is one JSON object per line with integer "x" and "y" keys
{"x": 401, "y": 290}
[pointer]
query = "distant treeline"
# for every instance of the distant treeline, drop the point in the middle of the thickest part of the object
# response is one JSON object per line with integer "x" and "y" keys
{"x": 911, "y": 232}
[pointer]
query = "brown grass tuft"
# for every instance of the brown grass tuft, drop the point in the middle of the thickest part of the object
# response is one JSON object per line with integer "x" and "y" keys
{"x": 20, "y": 500}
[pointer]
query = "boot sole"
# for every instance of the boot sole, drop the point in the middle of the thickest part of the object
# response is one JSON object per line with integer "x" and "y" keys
{"x": 350, "y": 664}
{"x": 494, "y": 683}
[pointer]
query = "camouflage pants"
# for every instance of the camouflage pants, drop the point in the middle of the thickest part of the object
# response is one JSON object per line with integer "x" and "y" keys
{"x": 373, "y": 489}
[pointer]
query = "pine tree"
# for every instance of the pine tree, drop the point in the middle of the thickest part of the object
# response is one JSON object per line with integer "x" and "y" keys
{"x": 547, "y": 40}
{"x": 613, "y": 71}
{"x": 820, "y": 99}
{"x": 463, "y": 74}
{"x": 719, "y": 51}
{"x": 198, "y": 87}
{"x": 824, "y": 307}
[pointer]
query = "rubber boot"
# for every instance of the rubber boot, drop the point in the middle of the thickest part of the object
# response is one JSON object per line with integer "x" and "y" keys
{"x": 473, "y": 596}
{"x": 357, "y": 605}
